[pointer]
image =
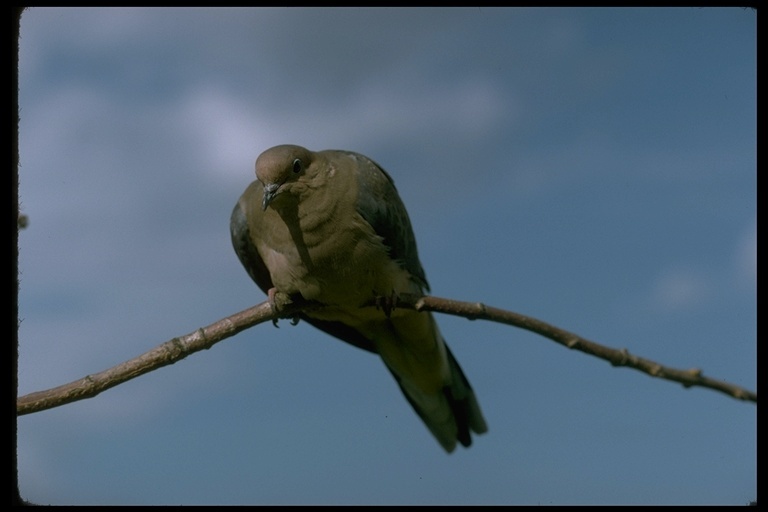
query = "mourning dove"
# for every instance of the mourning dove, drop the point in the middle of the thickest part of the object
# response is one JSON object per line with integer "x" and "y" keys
{"x": 329, "y": 226}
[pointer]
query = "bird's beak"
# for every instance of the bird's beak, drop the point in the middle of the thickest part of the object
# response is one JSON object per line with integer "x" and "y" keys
{"x": 270, "y": 191}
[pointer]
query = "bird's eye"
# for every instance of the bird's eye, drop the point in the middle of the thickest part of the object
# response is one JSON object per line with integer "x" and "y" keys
{"x": 297, "y": 167}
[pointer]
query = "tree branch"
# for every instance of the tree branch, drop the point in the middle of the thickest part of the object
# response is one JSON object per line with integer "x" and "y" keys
{"x": 204, "y": 338}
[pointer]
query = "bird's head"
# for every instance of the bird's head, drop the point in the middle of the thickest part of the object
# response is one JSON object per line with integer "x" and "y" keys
{"x": 280, "y": 169}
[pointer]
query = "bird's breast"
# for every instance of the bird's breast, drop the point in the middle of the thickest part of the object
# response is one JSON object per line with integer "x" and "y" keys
{"x": 333, "y": 261}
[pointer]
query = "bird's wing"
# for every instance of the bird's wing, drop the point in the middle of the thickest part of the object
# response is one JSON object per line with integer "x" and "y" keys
{"x": 380, "y": 205}
{"x": 242, "y": 241}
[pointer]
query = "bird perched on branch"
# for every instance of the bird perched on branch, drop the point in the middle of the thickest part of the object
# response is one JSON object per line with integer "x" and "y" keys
{"x": 329, "y": 226}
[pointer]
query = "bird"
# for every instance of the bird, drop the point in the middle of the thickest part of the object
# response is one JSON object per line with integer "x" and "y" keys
{"x": 330, "y": 227}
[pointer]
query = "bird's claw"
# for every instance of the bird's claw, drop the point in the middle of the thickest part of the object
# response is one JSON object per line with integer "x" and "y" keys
{"x": 273, "y": 305}
{"x": 277, "y": 303}
{"x": 387, "y": 303}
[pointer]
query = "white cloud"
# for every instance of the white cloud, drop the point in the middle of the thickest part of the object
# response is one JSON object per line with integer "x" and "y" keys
{"x": 680, "y": 288}
{"x": 225, "y": 130}
{"x": 468, "y": 108}
{"x": 230, "y": 131}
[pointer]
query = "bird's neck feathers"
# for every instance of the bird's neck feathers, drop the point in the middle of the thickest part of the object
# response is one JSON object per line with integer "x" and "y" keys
{"x": 325, "y": 198}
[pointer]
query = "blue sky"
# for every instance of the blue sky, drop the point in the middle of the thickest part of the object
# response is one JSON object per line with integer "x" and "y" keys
{"x": 594, "y": 168}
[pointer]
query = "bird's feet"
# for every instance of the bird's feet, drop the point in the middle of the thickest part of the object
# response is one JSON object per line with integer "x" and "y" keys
{"x": 277, "y": 302}
{"x": 387, "y": 303}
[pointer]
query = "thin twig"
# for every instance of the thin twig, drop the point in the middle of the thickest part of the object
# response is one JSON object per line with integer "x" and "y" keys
{"x": 204, "y": 338}
{"x": 476, "y": 310}
{"x": 167, "y": 353}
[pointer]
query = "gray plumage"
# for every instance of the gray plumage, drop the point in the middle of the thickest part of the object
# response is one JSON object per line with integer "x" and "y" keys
{"x": 330, "y": 226}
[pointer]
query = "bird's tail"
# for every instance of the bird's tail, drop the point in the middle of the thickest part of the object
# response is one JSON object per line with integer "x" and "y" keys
{"x": 453, "y": 415}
